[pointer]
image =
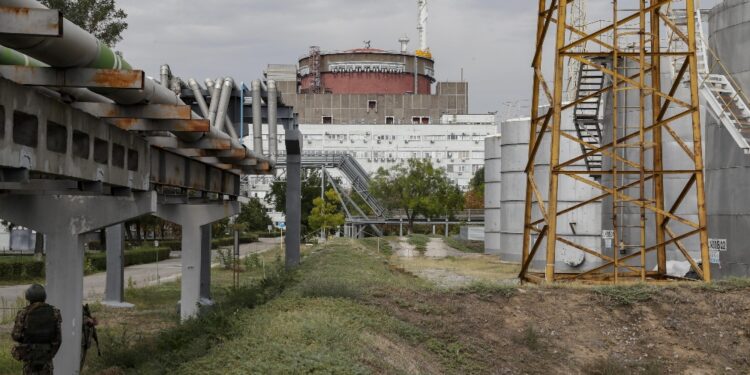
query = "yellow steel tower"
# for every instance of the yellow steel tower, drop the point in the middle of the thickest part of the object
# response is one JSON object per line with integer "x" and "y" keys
{"x": 627, "y": 170}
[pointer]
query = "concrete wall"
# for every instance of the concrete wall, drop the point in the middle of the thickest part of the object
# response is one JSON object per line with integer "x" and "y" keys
{"x": 452, "y": 98}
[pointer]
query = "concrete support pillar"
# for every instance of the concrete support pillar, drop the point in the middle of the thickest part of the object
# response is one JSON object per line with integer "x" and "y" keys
{"x": 433, "y": 229}
{"x": 192, "y": 217}
{"x": 66, "y": 220}
{"x": 114, "y": 292}
{"x": 293, "y": 209}
{"x": 446, "y": 227}
{"x": 205, "y": 292}
{"x": 401, "y": 227}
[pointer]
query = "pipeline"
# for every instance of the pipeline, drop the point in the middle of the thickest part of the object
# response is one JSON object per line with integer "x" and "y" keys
{"x": 78, "y": 48}
{"x": 257, "y": 117}
{"x": 272, "y": 103}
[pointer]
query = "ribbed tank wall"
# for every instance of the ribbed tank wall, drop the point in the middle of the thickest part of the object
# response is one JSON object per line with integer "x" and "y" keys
{"x": 584, "y": 221}
{"x": 492, "y": 193}
{"x": 674, "y": 158}
{"x": 727, "y": 168}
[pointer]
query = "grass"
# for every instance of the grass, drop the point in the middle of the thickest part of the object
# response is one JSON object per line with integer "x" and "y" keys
{"x": 485, "y": 289}
{"x": 530, "y": 338}
{"x": 728, "y": 284}
{"x": 419, "y": 241}
{"x": 483, "y": 268}
{"x": 382, "y": 243}
{"x": 465, "y": 246}
{"x": 625, "y": 295}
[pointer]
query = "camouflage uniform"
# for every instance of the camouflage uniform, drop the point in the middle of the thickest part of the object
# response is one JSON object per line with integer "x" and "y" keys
{"x": 36, "y": 354}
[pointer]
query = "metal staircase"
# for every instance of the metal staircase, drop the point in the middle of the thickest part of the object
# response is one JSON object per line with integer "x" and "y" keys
{"x": 722, "y": 95}
{"x": 350, "y": 167}
{"x": 586, "y": 114}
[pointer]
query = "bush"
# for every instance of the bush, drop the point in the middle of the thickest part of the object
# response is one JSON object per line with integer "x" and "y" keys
{"x": 176, "y": 245}
{"x": 20, "y": 267}
{"x": 138, "y": 255}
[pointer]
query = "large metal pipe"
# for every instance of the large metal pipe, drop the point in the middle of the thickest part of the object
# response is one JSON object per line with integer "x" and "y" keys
{"x": 257, "y": 118}
{"x": 164, "y": 75}
{"x": 196, "y": 88}
{"x": 223, "y": 102}
{"x": 213, "y": 107}
{"x": 78, "y": 48}
{"x": 272, "y": 114}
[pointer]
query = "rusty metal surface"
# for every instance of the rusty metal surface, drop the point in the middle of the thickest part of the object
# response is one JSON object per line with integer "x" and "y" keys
{"x": 203, "y": 143}
{"x": 144, "y": 111}
{"x": 31, "y": 21}
{"x": 136, "y": 124}
{"x": 76, "y": 77}
{"x": 61, "y": 141}
{"x": 170, "y": 169}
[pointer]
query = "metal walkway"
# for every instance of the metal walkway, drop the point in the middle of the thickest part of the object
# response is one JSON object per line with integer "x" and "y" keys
{"x": 723, "y": 96}
{"x": 349, "y": 166}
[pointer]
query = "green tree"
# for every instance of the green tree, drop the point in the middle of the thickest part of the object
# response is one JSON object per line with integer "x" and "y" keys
{"x": 418, "y": 188}
{"x": 326, "y": 213}
{"x": 254, "y": 216}
{"x": 101, "y": 18}
{"x": 310, "y": 191}
{"x": 474, "y": 198}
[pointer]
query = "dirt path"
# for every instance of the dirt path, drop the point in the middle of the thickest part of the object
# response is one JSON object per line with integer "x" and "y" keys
{"x": 447, "y": 267}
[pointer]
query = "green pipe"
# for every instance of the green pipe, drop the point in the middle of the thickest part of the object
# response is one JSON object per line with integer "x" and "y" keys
{"x": 12, "y": 57}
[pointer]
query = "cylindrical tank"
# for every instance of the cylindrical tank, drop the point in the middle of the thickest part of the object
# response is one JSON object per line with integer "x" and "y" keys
{"x": 581, "y": 226}
{"x": 492, "y": 193}
{"x": 727, "y": 168}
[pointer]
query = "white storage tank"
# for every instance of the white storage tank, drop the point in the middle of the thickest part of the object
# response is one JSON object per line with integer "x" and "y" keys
{"x": 492, "y": 190}
{"x": 727, "y": 168}
{"x": 582, "y": 226}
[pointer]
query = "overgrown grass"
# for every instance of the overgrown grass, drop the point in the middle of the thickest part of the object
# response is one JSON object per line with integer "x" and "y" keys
{"x": 381, "y": 244}
{"x": 487, "y": 289}
{"x": 728, "y": 284}
{"x": 419, "y": 241}
{"x": 530, "y": 338}
{"x": 465, "y": 246}
{"x": 624, "y": 295}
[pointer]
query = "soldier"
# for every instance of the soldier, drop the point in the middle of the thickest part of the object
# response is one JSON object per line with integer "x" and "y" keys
{"x": 37, "y": 332}
{"x": 89, "y": 333}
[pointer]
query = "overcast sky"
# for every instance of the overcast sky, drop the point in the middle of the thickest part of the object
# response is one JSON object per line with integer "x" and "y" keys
{"x": 492, "y": 40}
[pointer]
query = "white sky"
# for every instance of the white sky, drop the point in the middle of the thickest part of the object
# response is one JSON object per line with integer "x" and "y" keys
{"x": 492, "y": 40}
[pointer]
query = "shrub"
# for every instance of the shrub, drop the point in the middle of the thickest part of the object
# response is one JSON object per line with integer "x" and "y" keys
{"x": 138, "y": 255}
{"x": 14, "y": 268}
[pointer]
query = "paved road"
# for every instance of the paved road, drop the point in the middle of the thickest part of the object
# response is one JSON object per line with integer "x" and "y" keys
{"x": 141, "y": 275}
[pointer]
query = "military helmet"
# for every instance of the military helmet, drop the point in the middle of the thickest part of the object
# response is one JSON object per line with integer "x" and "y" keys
{"x": 36, "y": 293}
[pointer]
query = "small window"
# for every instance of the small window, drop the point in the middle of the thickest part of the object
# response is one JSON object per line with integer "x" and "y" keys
{"x": 2, "y": 122}
{"x": 101, "y": 151}
{"x": 132, "y": 160}
{"x": 425, "y": 121}
{"x": 57, "y": 137}
{"x": 80, "y": 144}
{"x": 25, "y": 129}
{"x": 390, "y": 120}
{"x": 118, "y": 156}
{"x": 415, "y": 120}
{"x": 327, "y": 120}
{"x": 372, "y": 105}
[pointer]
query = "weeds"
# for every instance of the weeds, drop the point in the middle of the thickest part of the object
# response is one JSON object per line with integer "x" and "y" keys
{"x": 486, "y": 289}
{"x": 625, "y": 295}
{"x": 607, "y": 366}
{"x": 530, "y": 338}
{"x": 465, "y": 246}
{"x": 728, "y": 284}
{"x": 329, "y": 287}
{"x": 419, "y": 241}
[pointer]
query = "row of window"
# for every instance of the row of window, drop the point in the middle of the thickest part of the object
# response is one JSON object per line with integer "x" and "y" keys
{"x": 26, "y": 133}
{"x": 389, "y": 120}
{"x": 341, "y": 137}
